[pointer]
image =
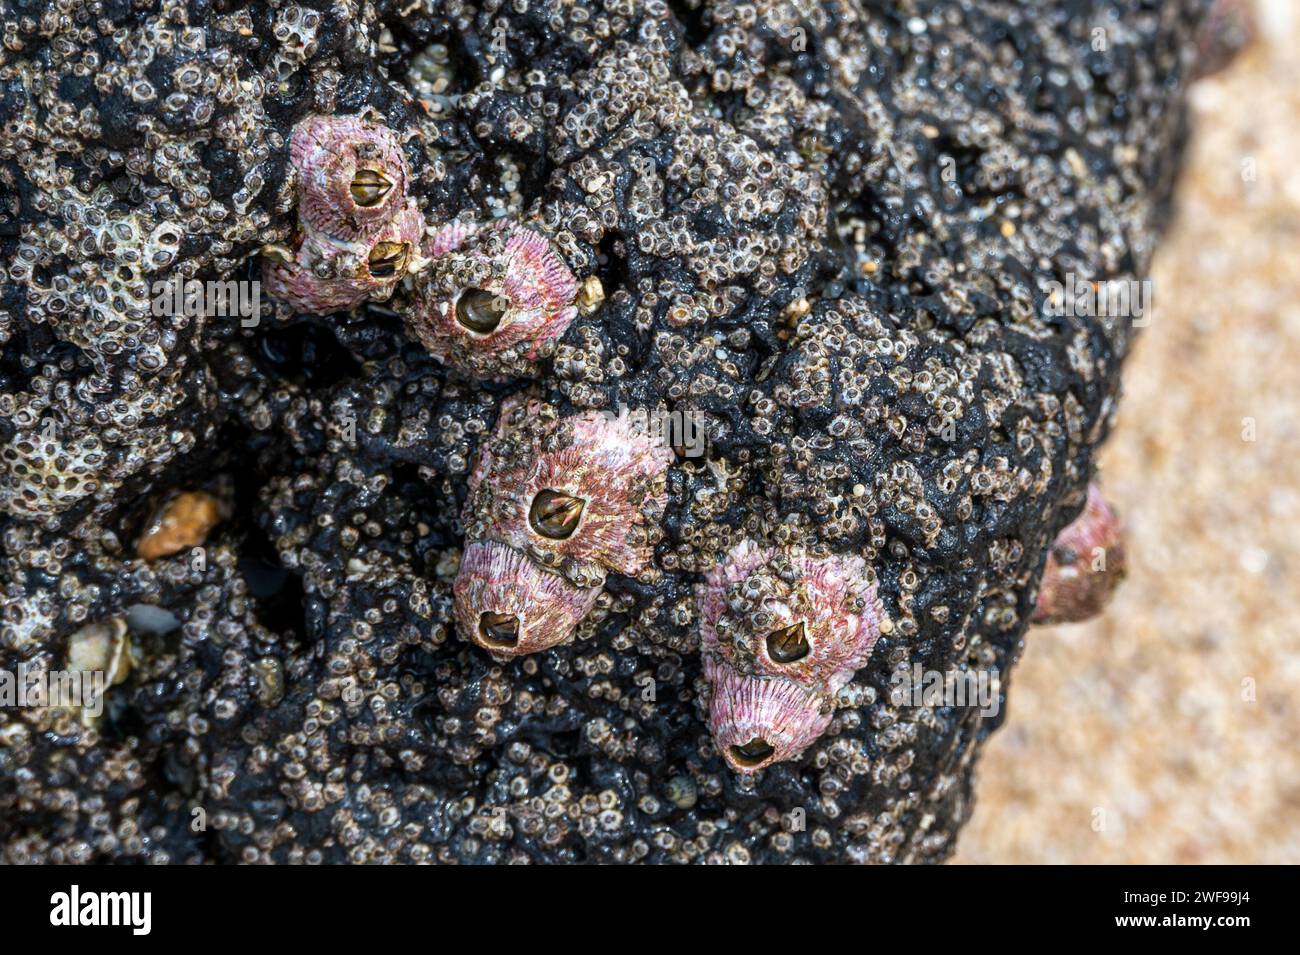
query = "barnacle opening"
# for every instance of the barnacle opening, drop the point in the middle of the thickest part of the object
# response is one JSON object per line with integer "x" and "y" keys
{"x": 499, "y": 629}
{"x": 788, "y": 644}
{"x": 388, "y": 259}
{"x": 480, "y": 311}
{"x": 369, "y": 187}
{"x": 555, "y": 514}
{"x": 753, "y": 753}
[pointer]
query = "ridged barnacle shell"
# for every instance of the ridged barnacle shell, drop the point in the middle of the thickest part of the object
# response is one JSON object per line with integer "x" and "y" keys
{"x": 758, "y": 721}
{"x": 494, "y": 300}
{"x": 508, "y": 605}
{"x": 555, "y": 503}
{"x": 1085, "y": 565}
{"x": 102, "y": 647}
{"x": 351, "y": 176}
{"x": 581, "y": 495}
{"x": 781, "y": 633}
{"x": 326, "y": 274}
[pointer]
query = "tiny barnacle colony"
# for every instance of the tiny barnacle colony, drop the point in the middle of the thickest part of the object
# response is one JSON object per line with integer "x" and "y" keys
{"x": 781, "y": 633}
{"x": 555, "y": 504}
{"x": 358, "y": 232}
{"x": 494, "y": 300}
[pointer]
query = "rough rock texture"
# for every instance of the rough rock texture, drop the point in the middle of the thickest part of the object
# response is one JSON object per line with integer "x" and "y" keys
{"x": 826, "y": 230}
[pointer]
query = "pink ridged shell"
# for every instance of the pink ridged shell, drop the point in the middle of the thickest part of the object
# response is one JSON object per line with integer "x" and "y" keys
{"x": 617, "y": 471}
{"x": 505, "y": 259}
{"x": 787, "y": 716}
{"x": 830, "y": 595}
{"x": 1071, "y": 590}
{"x": 499, "y": 579}
{"x": 349, "y": 282}
{"x": 326, "y": 152}
{"x": 756, "y": 590}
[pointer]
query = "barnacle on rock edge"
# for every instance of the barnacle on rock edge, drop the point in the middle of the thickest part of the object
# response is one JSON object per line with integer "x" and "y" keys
{"x": 494, "y": 299}
{"x": 1086, "y": 563}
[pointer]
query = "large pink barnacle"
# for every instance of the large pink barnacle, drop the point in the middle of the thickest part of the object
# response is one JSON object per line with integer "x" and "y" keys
{"x": 322, "y": 274}
{"x": 351, "y": 176}
{"x": 1085, "y": 565}
{"x": 555, "y": 504}
{"x": 494, "y": 300}
{"x": 509, "y": 606}
{"x": 581, "y": 495}
{"x": 781, "y": 633}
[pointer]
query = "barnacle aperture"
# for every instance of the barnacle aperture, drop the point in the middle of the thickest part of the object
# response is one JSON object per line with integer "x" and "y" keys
{"x": 480, "y": 311}
{"x": 555, "y": 514}
{"x": 788, "y": 644}
{"x": 499, "y": 629}
{"x": 388, "y": 259}
{"x": 369, "y": 187}
{"x": 754, "y": 753}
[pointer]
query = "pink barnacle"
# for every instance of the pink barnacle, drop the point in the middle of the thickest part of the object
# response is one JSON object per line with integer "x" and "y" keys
{"x": 509, "y": 606}
{"x": 581, "y": 495}
{"x": 781, "y": 633}
{"x": 494, "y": 300}
{"x": 351, "y": 175}
{"x": 757, "y": 721}
{"x": 1085, "y": 565}
{"x": 324, "y": 274}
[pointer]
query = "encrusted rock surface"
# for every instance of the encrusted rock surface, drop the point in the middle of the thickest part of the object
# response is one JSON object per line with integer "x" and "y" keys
{"x": 826, "y": 231}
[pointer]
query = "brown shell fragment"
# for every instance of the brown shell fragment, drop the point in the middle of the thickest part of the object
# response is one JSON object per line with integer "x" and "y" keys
{"x": 182, "y": 522}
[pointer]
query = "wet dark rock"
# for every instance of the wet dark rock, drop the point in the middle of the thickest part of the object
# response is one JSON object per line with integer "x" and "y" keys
{"x": 830, "y": 238}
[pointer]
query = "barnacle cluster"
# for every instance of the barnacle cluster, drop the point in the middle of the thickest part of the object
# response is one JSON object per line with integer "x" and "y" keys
{"x": 555, "y": 504}
{"x": 782, "y": 632}
{"x": 358, "y": 231}
{"x": 405, "y": 583}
